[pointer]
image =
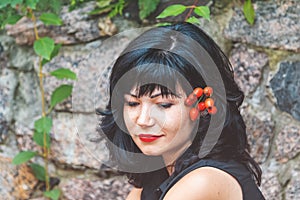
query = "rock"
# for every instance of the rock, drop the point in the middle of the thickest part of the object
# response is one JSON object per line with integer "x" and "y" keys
{"x": 271, "y": 188}
{"x": 248, "y": 65}
{"x": 76, "y": 142}
{"x": 16, "y": 182}
{"x": 260, "y": 132}
{"x": 27, "y": 103}
{"x": 292, "y": 191}
{"x": 77, "y": 27}
{"x": 276, "y": 26}
{"x": 8, "y": 84}
{"x": 286, "y": 87}
{"x": 287, "y": 143}
{"x": 114, "y": 188}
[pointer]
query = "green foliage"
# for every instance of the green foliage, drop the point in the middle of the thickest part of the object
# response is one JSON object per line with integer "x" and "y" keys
{"x": 44, "y": 47}
{"x": 32, "y": 3}
{"x": 172, "y": 10}
{"x": 53, "y": 194}
{"x": 202, "y": 11}
{"x": 193, "y": 20}
{"x": 146, "y": 7}
{"x": 63, "y": 73}
{"x": 38, "y": 171}
{"x": 23, "y": 157}
{"x": 38, "y": 137}
{"x": 60, "y": 93}
{"x": 249, "y": 12}
{"x": 43, "y": 125}
{"x": 50, "y": 19}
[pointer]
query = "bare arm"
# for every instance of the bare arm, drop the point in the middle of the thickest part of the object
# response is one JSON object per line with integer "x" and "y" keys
{"x": 135, "y": 194}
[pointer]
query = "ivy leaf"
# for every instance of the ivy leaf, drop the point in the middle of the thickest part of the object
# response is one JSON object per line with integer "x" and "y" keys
{"x": 103, "y": 3}
{"x": 43, "y": 125}
{"x": 61, "y": 93}
{"x": 64, "y": 73}
{"x": 13, "y": 3}
{"x": 23, "y": 157}
{"x": 53, "y": 194}
{"x": 44, "y": 47}
{"x": 31, "y": 3}
{"x": 38, "y": 137}
{"x": 163, "y": 24}
{"x": 202, "y": 11}
{"x": 172, "y": 10}
{"x": 13, "y": 19}
{"x": 249, "y": 12}
{"x": 38, "y": 171}
{"x": 53, "y": 54}
{"x": 193, "y": 20}
{"x": 146, "y": 7}
{"x": 50, "y": 19}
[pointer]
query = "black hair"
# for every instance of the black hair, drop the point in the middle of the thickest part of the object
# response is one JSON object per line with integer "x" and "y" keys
{"x": 160, "y": 54}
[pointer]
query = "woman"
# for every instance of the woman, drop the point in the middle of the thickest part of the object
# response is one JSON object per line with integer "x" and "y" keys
{"x": 159, "y": 135}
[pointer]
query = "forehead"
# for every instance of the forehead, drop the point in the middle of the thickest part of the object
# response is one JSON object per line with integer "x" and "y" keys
{"x": 150, "y": 90}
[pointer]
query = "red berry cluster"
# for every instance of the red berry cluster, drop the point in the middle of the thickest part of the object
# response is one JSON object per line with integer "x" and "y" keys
{"x": 201, "y": 99}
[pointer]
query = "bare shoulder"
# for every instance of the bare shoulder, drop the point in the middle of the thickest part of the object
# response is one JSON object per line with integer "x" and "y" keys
{"x": 206, "y": 183}
{"x": 135, "y": 194}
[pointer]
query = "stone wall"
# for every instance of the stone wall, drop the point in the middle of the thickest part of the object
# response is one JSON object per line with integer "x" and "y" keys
{"x": 265, "y": 58}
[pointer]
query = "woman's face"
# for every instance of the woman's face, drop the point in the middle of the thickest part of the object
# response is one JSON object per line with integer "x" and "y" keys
{"x": 159, "y": 125}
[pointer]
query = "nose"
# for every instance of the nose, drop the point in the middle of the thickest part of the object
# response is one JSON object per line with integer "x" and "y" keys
{"x": 144, "y": 118}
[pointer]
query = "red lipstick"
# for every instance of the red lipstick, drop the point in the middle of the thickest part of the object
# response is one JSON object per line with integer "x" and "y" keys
{"x": 148, "y": 138}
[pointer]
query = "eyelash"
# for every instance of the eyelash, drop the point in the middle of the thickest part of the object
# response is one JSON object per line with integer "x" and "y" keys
{"x": 162, "y": 105}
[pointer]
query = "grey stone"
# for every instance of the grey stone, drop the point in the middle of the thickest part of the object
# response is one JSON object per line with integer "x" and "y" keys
{"x": 271, "y": 188}
{"x": 247, "y": 64}
{"x": 276, "y": 26}
{"x": 292, "y": 191}
{"x": 27, "y": 104}
{"x": 286, "y": 87}
{"x": 77, "y": 27}
{"x": 287, "y": 143}
{"x": 8, "y": 84}
{"x": 76, "y": 143}
{"x": 21, "y": 58}
{"x": 260, "y": 132}
{"x": 114, "y": 188}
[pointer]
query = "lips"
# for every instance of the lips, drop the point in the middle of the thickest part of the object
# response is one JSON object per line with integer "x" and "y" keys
{"x": 148, "y": 137}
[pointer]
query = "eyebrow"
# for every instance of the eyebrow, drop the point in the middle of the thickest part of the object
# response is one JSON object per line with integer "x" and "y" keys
{"x": 152, "y": 96}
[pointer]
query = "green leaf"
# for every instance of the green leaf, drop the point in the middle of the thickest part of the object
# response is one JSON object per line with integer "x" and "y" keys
{"x": 146, "y": 7}
{"x": 103, "y": 3}
{"x": 31, "y": 3}
{"x": 43, "y": 125}
{"x": 55, "y": 50}
{"x": 202, "y": 11}
{"x": 13, "y": 19}
{"x": 53, "y": 194}
{"x": 249, "y": 12}
{"x": 64, "y": 73}
{"x": 44, "y": 47}
{"x": 38, "y": 137}
{"x": 50, "y": 19}
{"x": 4, "y": 4}
{"x": 60, "y": 94}
{"x": 53, "y": 54}
{"x": 172, "y": 10}
{"x": 99, "y": 11}
{"x": 163, "y": 24}
{"x": 13, "y": 3}
{"x": 193, "y": 20}
{"x": 38, "y": 171}
{"x": 23, "y": 157}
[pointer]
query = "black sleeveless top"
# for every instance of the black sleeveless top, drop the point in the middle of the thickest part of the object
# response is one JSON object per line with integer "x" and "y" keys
{"x": 157, "y": 191}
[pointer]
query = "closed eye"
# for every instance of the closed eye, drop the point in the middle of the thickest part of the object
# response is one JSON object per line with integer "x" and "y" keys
{"x": 132, "y": 103}
{"x": 165, "y": 105}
